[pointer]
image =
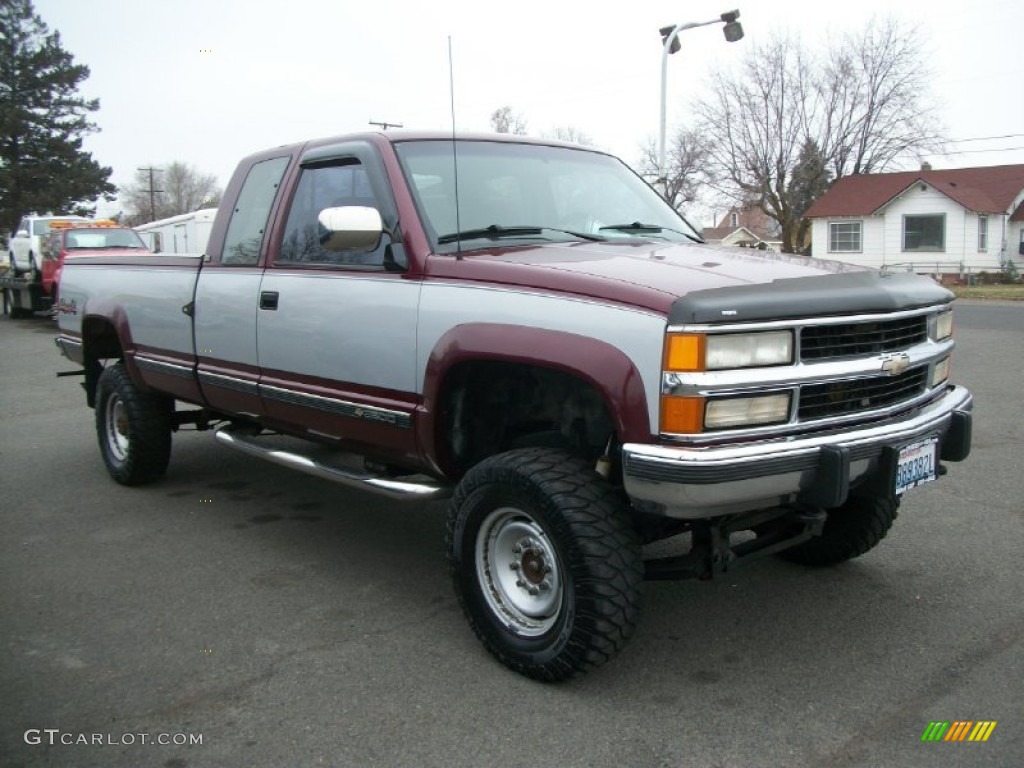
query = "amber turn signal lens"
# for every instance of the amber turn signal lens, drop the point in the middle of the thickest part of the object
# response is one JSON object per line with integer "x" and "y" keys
{"x": 684, "y": 352}
{"x": 682, "y": 415}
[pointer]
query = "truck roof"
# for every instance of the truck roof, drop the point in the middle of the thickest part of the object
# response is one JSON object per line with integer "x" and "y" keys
{"x": 398, "y": 136}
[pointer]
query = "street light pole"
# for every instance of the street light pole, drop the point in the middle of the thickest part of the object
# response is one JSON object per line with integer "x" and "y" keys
{"x": 733, "y": 32}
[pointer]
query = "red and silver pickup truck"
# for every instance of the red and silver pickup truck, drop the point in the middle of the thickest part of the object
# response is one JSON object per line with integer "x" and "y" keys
{"x": 528, "y": 328}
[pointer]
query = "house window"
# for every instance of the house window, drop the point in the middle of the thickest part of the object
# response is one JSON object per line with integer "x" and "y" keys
{"x": 924, "y": 233}
{"x": 982, "y": 234}
{"x": 844, "y": 236}
{"x": 734, "y": 219}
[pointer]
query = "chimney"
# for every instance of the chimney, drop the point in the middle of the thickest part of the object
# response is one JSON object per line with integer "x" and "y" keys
{"x": 925, "y": 165}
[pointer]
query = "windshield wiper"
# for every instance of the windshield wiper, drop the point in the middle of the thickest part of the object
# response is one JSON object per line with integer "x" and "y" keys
{"x": 497, "y": 232}
{"x": 636, "y": 226}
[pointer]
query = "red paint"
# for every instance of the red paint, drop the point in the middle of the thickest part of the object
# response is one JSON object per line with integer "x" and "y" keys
{"x": 181, "y": 388}
{"x": 601, "y": 365}
{"x": 387, "y": 442}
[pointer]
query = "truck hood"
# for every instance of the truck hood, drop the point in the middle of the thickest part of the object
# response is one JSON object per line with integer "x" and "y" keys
{"x": 642, "y": 273}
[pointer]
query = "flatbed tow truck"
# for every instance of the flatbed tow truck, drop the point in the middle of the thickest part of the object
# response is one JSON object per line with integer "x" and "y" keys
{"x": 36, "y": 291}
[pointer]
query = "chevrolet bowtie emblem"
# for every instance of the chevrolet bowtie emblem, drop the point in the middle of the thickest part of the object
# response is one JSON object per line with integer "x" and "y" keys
{"x": 894, "y": 366}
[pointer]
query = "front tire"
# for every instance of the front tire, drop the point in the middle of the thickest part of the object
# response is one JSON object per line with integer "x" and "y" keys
{"x": 850, "y": 531}
{"x": 545, "y": 562}
{"x": 133, "y": 427}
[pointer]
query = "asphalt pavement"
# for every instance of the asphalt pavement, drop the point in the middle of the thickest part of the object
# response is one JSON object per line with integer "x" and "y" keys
{"x": 279, "y": 620}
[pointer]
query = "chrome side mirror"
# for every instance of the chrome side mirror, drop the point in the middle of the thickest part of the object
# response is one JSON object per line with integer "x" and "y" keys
{"x": 350, "y": 228}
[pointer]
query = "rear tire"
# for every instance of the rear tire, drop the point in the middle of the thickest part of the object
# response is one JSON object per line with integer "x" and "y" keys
{"x": 133, "y": 427}
{"x": 10, "y": 309}
{"x": 545, "y": 562}
{"x": 850, "y": 531}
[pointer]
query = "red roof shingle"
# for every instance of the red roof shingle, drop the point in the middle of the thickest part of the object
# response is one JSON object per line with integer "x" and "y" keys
{"x": 990, "y": 189}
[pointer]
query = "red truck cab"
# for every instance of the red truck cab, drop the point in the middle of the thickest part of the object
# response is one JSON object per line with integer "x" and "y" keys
{"x": 71, "y": 238}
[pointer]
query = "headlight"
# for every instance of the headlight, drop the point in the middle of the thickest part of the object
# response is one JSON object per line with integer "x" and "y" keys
{"x": 941, "y": 372}
{"x": 716, "y": 352}
{"x": 746, "y": 411}
{"x": 944, "y": 325}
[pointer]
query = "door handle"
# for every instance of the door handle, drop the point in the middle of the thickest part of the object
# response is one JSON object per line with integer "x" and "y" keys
{"x": 268, "y": 299}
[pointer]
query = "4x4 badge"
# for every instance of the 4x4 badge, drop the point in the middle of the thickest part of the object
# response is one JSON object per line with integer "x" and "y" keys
{"x": 894, "y": 366}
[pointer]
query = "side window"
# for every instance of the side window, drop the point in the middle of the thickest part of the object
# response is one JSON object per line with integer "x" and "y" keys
{"x": 249, "y": 219}
{"x": 331, "y": 186}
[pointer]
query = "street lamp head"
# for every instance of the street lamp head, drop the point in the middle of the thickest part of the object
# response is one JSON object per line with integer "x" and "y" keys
{"x": 665, "y": 32}
{"x": 733, "y": 31}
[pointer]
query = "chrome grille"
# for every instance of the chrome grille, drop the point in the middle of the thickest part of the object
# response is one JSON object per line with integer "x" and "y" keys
{"x": 822, "y": 342}
{"x": 841, "y": 398}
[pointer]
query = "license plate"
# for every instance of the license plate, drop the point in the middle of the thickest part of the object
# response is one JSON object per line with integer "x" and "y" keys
{"x": 916, "y": 465}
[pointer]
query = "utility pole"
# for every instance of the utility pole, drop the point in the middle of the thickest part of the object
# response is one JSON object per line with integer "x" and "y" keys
{"x": 385, "y": 125}
{"x": 152, "y": 191}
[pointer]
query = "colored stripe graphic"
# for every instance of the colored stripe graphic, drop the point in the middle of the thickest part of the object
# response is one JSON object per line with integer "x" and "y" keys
{"x": 982, "y": 730}
{"x": 958, "y": 730}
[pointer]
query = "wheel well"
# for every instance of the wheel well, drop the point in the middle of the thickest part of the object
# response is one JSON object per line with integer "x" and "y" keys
{"x": 488, "y": 407}
{"x": 99, "y": 342}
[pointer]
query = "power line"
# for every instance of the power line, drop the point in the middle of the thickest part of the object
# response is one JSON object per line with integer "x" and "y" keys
{"x": 987, "y": 138}
{"x": 981, "y": 151}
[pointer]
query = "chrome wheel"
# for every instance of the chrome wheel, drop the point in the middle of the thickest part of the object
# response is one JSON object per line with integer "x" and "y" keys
{"x": 116, "y": 428}
{"x": 519, "y": 572}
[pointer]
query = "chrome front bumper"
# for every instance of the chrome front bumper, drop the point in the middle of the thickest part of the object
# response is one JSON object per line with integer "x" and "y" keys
{"x": 695, "y": 482}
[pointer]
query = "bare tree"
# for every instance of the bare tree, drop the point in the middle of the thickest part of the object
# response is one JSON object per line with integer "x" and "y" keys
{"x": 569, "y": 133}
{"x": 863, "y": 105}
{"x": 689, "y": 171}
{"x": 873, "y": 109}
{"x": 505, "y": 120}
{"x": 176, "y": 188}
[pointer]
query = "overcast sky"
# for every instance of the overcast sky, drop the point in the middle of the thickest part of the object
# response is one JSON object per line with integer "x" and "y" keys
{"x": 208, "y": 82}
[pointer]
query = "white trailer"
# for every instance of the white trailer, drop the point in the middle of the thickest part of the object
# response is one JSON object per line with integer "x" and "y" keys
{"x": 187, "y": 233}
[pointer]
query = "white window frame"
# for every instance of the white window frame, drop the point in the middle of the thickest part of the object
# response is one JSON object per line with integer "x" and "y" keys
{"x": 982, "y": 234}
{"x": 858, "y": 224}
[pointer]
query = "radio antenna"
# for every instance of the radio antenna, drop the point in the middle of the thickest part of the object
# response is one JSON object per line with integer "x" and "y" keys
{"x": 455, "y": 153}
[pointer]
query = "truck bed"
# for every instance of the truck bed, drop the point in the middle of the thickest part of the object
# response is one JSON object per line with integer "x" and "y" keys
{"x": 146, "y": 293}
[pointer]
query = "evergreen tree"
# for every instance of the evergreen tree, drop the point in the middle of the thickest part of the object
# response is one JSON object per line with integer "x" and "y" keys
{"x": 43, "y": 120}
{"x": 808, "y": 181}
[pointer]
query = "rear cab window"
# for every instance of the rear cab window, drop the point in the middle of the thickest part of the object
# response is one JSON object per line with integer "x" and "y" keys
{"x": 248, "y": 223}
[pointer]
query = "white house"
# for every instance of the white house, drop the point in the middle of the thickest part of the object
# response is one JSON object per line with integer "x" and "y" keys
{"x": 961, "y": 220}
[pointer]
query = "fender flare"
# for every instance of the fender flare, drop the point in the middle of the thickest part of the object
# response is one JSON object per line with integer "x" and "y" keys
{"x": 114, "y": 316}
{"x": 603, "y": 366}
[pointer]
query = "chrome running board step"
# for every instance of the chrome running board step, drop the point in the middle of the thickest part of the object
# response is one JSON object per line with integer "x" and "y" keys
{"x": 242, "y": 439}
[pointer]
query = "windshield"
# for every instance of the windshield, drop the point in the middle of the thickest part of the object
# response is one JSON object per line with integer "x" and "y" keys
{"x": 530, "y": 193}
{"x": 80, "y": 239}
